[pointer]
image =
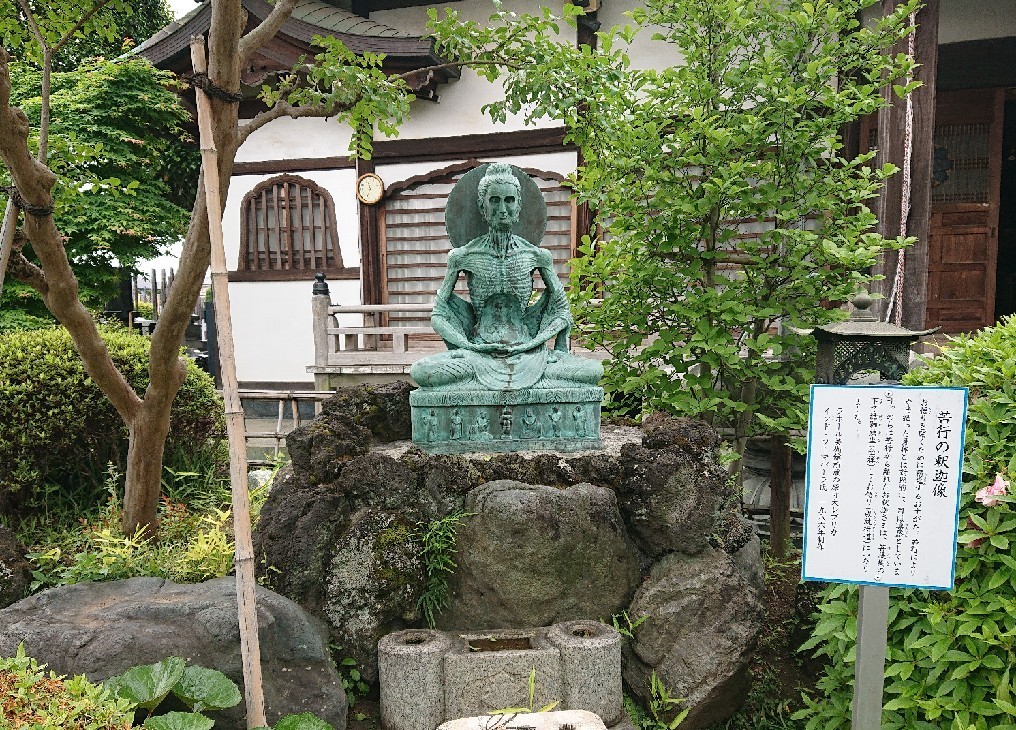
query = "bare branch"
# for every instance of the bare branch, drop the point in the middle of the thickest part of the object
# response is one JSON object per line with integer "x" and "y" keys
{"x": 28, "y": 273}
{"x": 32, "y": 24}
{"x": 285, "y": 109}
{"x": 268, "y": 27}
{"x": 96, "y": 7}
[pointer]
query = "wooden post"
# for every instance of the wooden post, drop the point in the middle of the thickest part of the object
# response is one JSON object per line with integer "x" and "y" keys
{"x": 780, "y": 487}
{"x": 320, "y": 301}
{"x": 7, "y": 239}
{"x": 250, "y": 651}
{"x": 154, "y": 289}
{"x": 869, "y": 669}
{"x": 892, "y": 125}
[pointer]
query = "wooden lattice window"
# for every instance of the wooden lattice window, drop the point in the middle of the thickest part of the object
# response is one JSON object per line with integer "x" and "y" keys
{"x": 288, "y": 231}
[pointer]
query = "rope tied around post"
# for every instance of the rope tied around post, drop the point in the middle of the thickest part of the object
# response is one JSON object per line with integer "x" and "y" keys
{"x": 201, "y": 81}
{"x": 39, "y": 211}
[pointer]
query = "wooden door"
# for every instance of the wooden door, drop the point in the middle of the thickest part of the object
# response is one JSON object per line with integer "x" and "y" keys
{"x": 963, "y": 242}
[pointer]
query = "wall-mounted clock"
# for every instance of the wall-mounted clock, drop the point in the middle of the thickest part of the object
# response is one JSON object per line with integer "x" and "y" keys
{"x": 369, "y": 188}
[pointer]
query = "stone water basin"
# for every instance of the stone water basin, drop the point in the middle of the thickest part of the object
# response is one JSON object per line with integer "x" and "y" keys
{"x": 428, "y": 677}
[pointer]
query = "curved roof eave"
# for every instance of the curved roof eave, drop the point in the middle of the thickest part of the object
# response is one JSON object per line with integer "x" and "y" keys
{"x": 170, "y": 47}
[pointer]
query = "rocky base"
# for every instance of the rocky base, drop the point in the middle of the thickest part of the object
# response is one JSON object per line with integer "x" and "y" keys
{"x": 537, "y": 538}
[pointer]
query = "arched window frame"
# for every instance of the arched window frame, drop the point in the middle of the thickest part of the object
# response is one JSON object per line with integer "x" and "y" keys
{"x": 274, "y": 267}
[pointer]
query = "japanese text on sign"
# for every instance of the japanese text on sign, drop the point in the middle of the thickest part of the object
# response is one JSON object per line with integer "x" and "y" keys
{"x": 883, "y": 484}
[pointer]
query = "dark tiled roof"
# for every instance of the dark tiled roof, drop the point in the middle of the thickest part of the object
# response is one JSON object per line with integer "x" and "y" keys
{"x": 310, "y": 18}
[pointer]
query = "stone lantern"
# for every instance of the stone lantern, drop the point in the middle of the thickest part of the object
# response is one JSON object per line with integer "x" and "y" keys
{"x": 863, "y": 343}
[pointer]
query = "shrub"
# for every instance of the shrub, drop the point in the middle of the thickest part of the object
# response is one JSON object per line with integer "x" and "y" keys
{"x": 950, "y": 654}
{"x": 56, "y": 426}
{"x": 40, "y": 701}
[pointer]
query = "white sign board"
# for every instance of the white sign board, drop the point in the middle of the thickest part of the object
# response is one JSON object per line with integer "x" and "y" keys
{"x": 883, "y": 485}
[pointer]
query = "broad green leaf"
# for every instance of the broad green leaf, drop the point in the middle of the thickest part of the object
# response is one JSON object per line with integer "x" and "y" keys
{"x": 147, "y": 685}
{"x": 179, "y": 721}
{"x": 207, "y": 689}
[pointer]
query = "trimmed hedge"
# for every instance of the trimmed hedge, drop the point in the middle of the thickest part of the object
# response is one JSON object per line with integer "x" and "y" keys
{"x": 58, "y": 432}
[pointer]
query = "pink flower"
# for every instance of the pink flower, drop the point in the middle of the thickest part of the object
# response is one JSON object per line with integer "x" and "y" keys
{"x": 986, "y": 496}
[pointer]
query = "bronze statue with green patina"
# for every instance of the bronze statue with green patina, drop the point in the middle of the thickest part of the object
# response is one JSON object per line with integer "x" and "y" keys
{"x": 497, "y": 355}
{"x": 498, "y": 338}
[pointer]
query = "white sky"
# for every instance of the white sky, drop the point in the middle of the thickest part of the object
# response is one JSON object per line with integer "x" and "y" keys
{"x": 181, "y": 7}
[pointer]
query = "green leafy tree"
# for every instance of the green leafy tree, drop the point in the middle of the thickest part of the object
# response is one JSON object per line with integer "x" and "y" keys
{"x": 126, "y": 168}
{"x": 729, "y": 209}
{"x": 338, "y": 84}
{"x": 115, "y": 27}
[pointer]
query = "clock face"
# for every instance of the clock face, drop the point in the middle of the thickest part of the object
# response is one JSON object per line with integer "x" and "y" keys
{"x": 369, "y": 188}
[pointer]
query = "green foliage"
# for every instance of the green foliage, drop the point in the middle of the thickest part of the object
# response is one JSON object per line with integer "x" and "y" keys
{"x": 352, "y": 680}
{"x": 179, "y": 721}
{"x": 126, "y": 167}
{"x": 191, "y": 548}
{"x": 113, "y": 30}
{"x": 438, "y": 540}
{"x": 950, "y": 654}
{"x": 34, "y": 699}
{"x": 148, "y": 685}
{"x": 746, "y": 128}
{"x": 56, "y": 426}
{"x": 628, "y": 628}
{"x": 303, "y": 721}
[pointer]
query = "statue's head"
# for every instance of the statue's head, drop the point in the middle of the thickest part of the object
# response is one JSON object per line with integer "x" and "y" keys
{"x": 499, "y": 196}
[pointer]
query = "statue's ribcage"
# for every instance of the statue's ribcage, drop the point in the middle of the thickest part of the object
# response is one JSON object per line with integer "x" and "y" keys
{"x": 510, "y": 275}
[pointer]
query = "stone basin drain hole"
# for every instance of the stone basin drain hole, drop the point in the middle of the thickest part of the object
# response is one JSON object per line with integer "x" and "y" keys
{"x": 583, "y": 633}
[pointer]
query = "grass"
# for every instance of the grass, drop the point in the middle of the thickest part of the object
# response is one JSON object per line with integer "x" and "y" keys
{"x": 195, "y": 541}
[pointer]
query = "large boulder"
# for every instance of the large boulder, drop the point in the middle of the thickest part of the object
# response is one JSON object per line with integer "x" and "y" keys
{"x": 702, "y": 622}
{"x": 373, "y": 585}
{"x": 532, "y": 555}
{"x": 102, "y": 629}
{"x": 15, "y": 570}
{"x": 672, "y": 487}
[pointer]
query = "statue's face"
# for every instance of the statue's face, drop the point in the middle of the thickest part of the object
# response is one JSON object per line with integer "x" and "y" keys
{"x": 501, "y": 205}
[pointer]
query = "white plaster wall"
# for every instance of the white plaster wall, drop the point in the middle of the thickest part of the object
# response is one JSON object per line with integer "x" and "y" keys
{"x": 560, "y": 162}
{"x": 272, "y": 327}
{"x": 968, "y": 20}
{"x": 643, "y": 51}
{"x": 287, "y": 139}
{"x": 458, "y": 110}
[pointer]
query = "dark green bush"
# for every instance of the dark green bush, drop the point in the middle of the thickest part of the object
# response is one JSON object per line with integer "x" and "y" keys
{"x": 59, "y": 433}
{"x": 951, "y": 655}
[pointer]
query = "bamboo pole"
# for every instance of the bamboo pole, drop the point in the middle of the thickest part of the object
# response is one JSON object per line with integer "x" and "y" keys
{"x": 250, "y": 651}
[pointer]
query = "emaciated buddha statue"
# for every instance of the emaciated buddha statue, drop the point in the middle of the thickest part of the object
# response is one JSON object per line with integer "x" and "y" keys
{"x": 497, "y": 340}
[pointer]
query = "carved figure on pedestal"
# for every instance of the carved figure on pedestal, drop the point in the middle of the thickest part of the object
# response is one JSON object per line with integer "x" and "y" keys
{"x": 531, "y": 428}
{"x": 481, "y": 428}
{"x": 456, "y": 425}
{"x": 497, "y": 340}
{"x": 579, "y": 419}
{"x": 555, "y": 421}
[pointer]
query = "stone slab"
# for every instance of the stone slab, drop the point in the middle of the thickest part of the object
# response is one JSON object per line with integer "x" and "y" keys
{"x": 574, "y": 719}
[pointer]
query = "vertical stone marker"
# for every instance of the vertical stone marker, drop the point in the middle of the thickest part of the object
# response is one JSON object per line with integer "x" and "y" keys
{"x": 882, "y": 505}
{"x": 499, "y": 387}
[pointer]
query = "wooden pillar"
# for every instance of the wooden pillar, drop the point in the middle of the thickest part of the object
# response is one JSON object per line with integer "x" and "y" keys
{"x": 892, "y": 126}
{"x": 585, "y": 36}
{"x": 781, "y": 484}
{"x": 370, "y": 243}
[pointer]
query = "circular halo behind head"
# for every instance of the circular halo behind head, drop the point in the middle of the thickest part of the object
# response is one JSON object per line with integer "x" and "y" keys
{"x": 464, "y": 221}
